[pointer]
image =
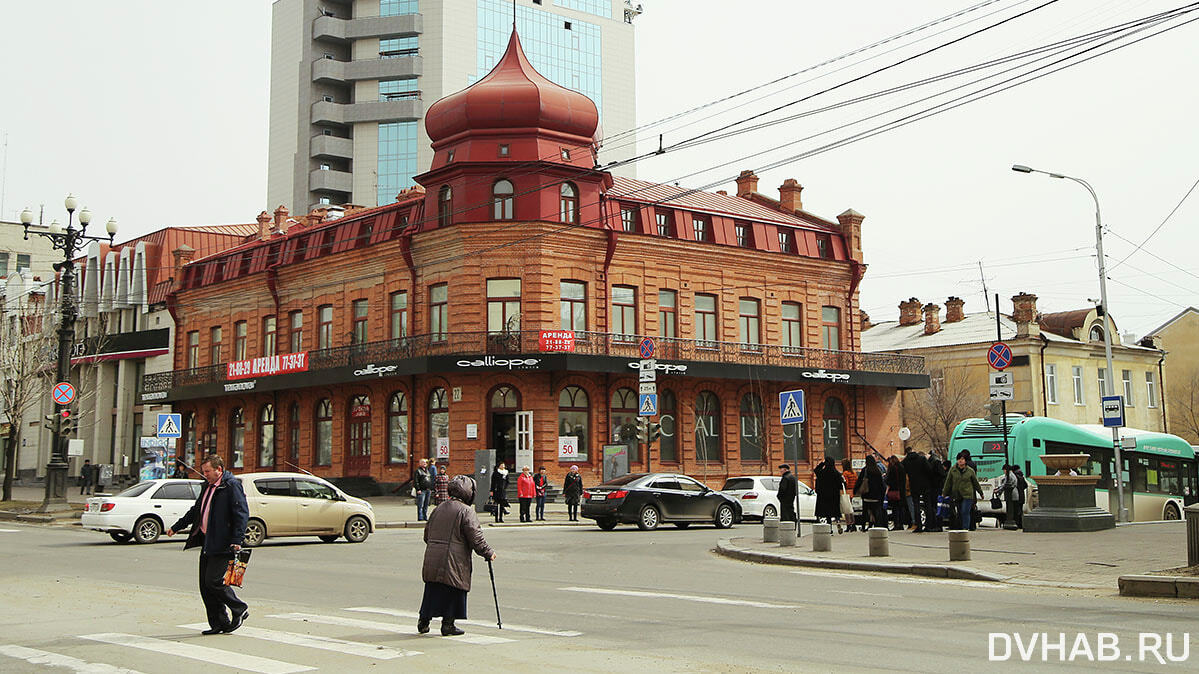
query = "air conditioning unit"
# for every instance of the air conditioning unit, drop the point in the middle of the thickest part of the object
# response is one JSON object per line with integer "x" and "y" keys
{"x": 327, "y": 99}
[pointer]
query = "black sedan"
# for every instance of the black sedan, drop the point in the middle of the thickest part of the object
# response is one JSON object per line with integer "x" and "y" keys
{"x": 648, "y": 500}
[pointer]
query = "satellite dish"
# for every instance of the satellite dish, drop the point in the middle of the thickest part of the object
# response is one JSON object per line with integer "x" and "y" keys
{"x": 905, "y": 433}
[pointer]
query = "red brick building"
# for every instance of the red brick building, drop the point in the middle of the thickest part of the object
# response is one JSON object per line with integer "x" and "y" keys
{"x": 351, "y": 346}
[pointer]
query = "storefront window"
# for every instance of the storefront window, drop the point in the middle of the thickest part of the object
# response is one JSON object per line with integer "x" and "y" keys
{"x": 266, "y": 436}
{"x": 324, "y": 432}
{"x": 751, "y": 427}
{"x": 668, "y": 443}
{"x": 624, "y": 422}
{"x": 237, "y": 438}
{"x": 834, "y": 429}
{"x": 293, "y": 439}
{"x": 707, "y": 427}
{"x": 439, "y": 420}
{"x": 573, "y": 414}
{"x": 397, "y": 428}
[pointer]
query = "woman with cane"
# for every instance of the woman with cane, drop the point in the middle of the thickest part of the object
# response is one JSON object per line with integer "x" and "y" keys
{"x": 450, "y": 534}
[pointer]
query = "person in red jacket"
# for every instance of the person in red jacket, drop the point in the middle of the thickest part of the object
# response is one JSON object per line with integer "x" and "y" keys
{"x": 525, "y": 491}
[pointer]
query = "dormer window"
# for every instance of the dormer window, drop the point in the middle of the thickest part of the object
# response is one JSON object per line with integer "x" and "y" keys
{"x": 1096, "y": 333}
{"x": 566, "y": 154}
{"x": 502, "y": 198}
{"x": 445, "y": 206}
{"x": 449, "y": 156}
{"x": 824, "y": 247}
{"x": 503, "y": 149}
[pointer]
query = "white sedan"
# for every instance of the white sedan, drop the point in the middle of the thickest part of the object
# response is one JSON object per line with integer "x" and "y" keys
{"x": 759, "y": 496}
{"x": 143, "y": 511}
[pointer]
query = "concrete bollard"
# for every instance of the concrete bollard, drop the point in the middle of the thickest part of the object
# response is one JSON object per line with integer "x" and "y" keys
{"x": 880, "y": 545}
{"x": 787, "y": 534}
{"x": 822, "y": 537}
{"x": 959, "y": 546}
{"x": 770, "y": 530}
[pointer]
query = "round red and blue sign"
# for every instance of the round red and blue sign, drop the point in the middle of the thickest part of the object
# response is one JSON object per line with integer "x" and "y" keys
{"x": 999, "y": 356}
{"x": 64, "y": 393}
{"x": 647, "y": 348}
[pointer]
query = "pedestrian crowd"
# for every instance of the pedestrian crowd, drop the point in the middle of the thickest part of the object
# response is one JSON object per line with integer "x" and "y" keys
{"x": 919, "y": 492}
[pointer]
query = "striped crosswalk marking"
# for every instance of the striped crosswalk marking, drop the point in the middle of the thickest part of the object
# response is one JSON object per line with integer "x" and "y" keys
{"x": 324, "y": 643}
{"x": 10, "y": 531}
{"x": 36, "y": 657}
{"x": 476, "y": 639}
{"x": 684, "y": 597}
{"x": 508, "y": 626}
{"x": 216, "y": 656}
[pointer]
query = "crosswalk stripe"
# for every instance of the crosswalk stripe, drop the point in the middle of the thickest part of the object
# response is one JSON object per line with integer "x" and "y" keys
{"x": 683, "y": 597}
{"x": 311, "y": 641}
{"x": 35, "y": 657}
{"x": 480, "y": 623}
{"x": 476, "y": 639}
{"x": 215, "y": 656}
{"x": 10, "y": 531}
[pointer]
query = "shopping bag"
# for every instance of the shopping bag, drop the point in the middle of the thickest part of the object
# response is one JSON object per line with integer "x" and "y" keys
{"x": 236, "y": 570}
{"x": 846, "y": 505}
{"x": 489, "y": 507}
{"x": 943, "y": 507}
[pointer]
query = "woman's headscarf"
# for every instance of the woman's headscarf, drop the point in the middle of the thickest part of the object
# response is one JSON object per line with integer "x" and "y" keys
{"x": 462, "y": 487}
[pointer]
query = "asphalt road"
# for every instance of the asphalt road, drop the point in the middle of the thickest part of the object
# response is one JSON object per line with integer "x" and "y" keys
{"x": 570, "y": 597}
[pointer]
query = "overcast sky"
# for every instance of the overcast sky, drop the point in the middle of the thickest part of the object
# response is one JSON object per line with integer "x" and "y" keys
{"x": 156, "y": 113}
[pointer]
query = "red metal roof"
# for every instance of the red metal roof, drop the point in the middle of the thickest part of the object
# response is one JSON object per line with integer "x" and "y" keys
{"x": 710, "y": 202}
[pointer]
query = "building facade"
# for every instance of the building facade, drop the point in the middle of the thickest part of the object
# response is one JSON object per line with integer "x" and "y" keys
{"x": 501, "y": 305}
{"x": 350, "y": 81}
{"x": 1179, "y": 337}
{"x": 1058, "y": 366}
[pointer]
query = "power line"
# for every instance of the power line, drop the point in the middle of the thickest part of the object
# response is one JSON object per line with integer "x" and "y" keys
{"x": 1158, "y": 228}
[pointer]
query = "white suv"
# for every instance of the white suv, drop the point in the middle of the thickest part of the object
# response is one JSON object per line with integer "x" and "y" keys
{"x": 297, "y": 504}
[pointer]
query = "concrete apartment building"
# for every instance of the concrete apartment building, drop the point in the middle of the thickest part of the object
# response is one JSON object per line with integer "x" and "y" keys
{"x": 350, "y": 81}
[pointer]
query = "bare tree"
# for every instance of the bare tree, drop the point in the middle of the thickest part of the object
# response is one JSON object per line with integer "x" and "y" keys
{"x": 27, "y": 347}
{"x": 1182, "y": 392}
{"x": 934, "y": 412}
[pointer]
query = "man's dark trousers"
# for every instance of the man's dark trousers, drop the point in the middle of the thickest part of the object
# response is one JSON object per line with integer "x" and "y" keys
{"x": 215, "y": 593}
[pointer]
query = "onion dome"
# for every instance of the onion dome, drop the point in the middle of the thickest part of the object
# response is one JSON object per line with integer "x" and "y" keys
{"x": 513, "y": 96}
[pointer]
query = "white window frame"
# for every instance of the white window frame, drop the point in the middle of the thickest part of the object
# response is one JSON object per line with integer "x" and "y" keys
{"x": 1151, "y": 388}
{"x": 1126, "y": 384}
{"x": 1051, "y": 383}
{"x": 1080, "y": 395}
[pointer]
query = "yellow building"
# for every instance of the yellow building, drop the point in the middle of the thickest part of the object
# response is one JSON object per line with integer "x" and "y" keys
{"x": 1179, "y": 336}
{"x": 1058, "y": 366}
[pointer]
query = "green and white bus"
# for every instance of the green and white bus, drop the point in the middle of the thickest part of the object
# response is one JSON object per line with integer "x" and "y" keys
{"x": 1161, "y": 475}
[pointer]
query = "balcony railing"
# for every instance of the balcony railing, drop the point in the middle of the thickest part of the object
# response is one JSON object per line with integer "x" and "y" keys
{"x": 586, "y": 343}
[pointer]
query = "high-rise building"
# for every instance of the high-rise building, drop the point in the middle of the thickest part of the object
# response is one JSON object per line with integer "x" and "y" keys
{"x": 350, "y": 81}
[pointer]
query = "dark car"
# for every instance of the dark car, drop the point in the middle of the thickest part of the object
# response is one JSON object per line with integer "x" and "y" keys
{"x": 648, "y": 500}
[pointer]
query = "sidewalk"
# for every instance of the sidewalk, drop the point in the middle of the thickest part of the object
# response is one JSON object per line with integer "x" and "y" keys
{"x": 1090, "y": 560}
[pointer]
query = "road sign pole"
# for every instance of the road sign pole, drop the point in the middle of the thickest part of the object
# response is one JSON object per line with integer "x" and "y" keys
{"x": 1003, "y": 403}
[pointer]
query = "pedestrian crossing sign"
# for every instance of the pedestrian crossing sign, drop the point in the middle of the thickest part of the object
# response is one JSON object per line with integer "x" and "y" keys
{"x": 791, "y": 408}
{"x": 169, "y": 426}
{"x": 648, "y": 405}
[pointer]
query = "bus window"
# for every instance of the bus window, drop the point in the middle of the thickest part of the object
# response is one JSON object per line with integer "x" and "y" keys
{"x": 1140, "y": 474}
{"x": 1169, "y": 477}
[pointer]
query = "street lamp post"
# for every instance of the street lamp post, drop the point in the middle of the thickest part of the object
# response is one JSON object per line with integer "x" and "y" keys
{"x": 70, "y": 241}
{"x": 1109, "y": 380}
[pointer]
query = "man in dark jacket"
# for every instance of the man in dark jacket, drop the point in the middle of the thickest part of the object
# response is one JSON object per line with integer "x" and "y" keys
{"x": 936, "y": 480}
{"x": 499, "y": 491}
{"x": 87, "y": 478}
{"x": 916, "y": 467}
{"x": 218, "y": 521}
{"x": 788, "y": 491}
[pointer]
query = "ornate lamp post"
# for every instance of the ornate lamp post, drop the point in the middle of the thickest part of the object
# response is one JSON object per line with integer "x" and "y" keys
{"x": 70, "y": 241}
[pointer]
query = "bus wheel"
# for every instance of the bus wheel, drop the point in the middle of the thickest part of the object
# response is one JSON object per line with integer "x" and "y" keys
{"x": 1172, "y": 512}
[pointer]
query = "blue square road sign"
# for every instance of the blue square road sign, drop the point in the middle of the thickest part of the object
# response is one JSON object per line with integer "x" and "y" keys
{"x": 791, "y": 407}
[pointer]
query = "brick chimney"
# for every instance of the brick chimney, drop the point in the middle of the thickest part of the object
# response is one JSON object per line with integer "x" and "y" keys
{"x": 932, "y": 319}
{"x": 183, "y": 254}
{"x": 280, "y": 217}
{"x": 1024, "y": 313}
{"x": 851, "y": 230}
{"x": 789, "y": 195}
{"x": 316, "y": 216}
{"x": 747, "y": 183}
{"x": 865, "y": 319}
{"x": 264, "y": 225}
{"x": 909, "y": 312}
{"x": 953, "y": 309}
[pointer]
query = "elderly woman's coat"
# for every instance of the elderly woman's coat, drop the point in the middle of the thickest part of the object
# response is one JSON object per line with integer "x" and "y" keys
{"x": 450, "y": 534}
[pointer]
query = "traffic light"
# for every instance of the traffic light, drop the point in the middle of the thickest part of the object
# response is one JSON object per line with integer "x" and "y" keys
{"x": 655, "y": 431}
{"x": 70, "y": 422}
{"x": 995, "y": 413}
{"x": 648, "y": 431}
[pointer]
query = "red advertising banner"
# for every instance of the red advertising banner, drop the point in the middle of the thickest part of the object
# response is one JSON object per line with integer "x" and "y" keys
{"x": 557, "y": 340}
{"x": 267, "y": 365}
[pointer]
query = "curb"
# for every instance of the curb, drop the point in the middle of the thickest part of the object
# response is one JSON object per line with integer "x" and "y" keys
{"x": 30, "y": 518}
{"x": 1179, "y": 587}
{"x": 725, "y": 547}
{"x": 399, "y": 525}
{"x": 537, "y": 524}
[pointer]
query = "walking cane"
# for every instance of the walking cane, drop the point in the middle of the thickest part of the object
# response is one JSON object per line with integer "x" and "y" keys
{"x": 491, "y": 572}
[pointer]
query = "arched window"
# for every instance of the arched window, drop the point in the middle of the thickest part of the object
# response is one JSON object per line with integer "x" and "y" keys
{"x": 439, "y": 421}
{"x": 293, "y": 435}
{"x": 1096, "y": 333}
{"x": 266, "y": 436}
{"x": 189, "y": 439}
{"x": 323, "y": 432}
{"x": 573, "y": 414}
{"x": 668, "y": 415}
{"x": 569, "y": 204}
{"x": 502, "y": 198}
{"x": 397, "y": 428}
{"x": 795, "y": 444}
{"x": 505, "y": 398}
{"x": 751, "y": 428}
{"x": 834, "y": 428}
{"x": 209, "y": 436}
{"x": 445, "y": 206}
{"x": 237, "y": 438}
{"x": 707, "y": 427}
{"x": 623, "y": 414}
{"x": 358, "y": 440}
